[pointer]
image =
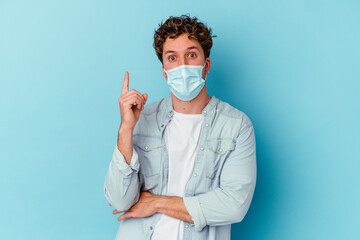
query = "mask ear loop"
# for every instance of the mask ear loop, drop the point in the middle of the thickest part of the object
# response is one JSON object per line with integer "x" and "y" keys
{"x": 165, "y": 72}
{"x": 205, "y": 70}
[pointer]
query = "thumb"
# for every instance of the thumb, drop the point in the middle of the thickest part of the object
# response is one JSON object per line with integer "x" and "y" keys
{"x": 125, "y": 215}
{"x": 145, "y": 96}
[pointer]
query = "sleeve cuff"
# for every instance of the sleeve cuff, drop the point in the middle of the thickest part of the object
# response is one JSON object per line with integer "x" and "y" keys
{"x": 121, "y": 164}
{"x": 192, "y": 205}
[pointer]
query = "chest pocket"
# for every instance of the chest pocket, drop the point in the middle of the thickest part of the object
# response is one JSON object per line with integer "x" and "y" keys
{"x": 217, "y": 151}
{"x": 149, "y": 150}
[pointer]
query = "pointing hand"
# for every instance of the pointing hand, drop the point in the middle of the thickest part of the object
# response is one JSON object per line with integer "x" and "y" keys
{"x": 131, "y": 104}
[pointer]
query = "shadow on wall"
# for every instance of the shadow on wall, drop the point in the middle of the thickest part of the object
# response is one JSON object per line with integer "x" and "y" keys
{"x": 229, "y": 75}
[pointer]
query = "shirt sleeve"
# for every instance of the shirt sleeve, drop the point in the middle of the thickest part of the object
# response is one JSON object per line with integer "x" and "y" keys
{"x": 121, "y": 164}
{"x": 121, "y": 187}
{"x": 229, "y": 202}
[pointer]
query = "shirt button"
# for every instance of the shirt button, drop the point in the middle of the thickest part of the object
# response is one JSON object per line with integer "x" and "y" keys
{"x": 206, "y": 125}
{"x": 202, "y": 149}
{"x": 146, "y": 147}
{"x": 195, "y": 175}
{"x": 171, "y": 111}
{"x": 204, "y": 111}
{"x": 162, "y": 125}
{"x": 220, "y": 150}
{"x": 186, "y": 226}
{"x": 150, "y": 227}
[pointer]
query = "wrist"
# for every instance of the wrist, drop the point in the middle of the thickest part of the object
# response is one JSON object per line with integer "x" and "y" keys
{"x": 124, "y": 143}
{"x": 160, "y": 203}
{"x": 124, "y": 129}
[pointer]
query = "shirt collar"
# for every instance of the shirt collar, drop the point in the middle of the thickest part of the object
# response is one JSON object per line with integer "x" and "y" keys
{"x": 208, "y": 111}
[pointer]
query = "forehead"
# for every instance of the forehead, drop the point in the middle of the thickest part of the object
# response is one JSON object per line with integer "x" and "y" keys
{"x": 181, "y": 43}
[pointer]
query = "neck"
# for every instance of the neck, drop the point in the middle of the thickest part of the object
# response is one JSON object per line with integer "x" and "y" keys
{"x": 194, "y": 106}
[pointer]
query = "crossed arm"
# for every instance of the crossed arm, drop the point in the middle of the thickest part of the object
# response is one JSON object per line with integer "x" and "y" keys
{"x": 149, "y": 204}
{"x": 223, "y": 205}
{"x": 123, "y": 195}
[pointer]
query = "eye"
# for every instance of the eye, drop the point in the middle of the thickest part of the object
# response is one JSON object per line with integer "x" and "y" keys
{"x": 172, "y": 58}
{"x": 192, "y": 55}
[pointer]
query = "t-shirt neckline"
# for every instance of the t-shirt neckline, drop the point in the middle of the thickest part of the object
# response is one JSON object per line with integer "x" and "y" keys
{"x": 184, "y": 115}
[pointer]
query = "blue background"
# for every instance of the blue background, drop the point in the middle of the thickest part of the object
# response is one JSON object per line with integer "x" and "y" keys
{"x": 291, "y": 66}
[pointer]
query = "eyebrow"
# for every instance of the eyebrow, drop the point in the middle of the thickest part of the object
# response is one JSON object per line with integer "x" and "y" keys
{"x": 189, "y": 48}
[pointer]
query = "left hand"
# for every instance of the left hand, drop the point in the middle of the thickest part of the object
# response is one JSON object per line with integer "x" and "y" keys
{"x": 145, "y": 207}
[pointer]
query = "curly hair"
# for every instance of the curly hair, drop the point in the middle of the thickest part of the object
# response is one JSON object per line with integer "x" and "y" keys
{"x": 175, "y": 26}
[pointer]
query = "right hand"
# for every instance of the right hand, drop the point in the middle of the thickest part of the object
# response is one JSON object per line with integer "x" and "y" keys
{"x": 130, "y": 113}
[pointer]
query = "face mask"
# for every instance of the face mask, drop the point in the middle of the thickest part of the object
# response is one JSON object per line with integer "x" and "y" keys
{"x": 185, "y": 81}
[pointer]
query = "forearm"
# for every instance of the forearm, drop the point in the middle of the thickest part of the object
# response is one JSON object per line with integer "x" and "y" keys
{"x": 124, "y": 143}
{"x": 173, "y": 207}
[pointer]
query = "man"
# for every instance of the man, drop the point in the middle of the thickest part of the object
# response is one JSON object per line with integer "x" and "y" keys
{"x": 184, "y": 167}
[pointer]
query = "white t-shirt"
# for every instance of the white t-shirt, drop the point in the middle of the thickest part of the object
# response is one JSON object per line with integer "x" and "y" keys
{"x": 183, "y": 132}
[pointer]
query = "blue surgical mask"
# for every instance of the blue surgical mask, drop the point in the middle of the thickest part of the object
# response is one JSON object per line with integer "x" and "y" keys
{"x": 185, "y": 81}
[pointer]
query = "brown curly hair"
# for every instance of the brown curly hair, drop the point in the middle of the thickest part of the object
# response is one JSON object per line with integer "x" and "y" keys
{"x": 175, "y": 26}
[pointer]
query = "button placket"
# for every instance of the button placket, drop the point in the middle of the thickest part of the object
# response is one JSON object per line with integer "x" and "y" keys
{"x": 191, "y": 187}
{"x": 206, "y": 125}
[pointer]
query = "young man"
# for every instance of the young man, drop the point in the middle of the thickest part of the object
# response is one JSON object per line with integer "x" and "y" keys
{"x": 184, "y": 167}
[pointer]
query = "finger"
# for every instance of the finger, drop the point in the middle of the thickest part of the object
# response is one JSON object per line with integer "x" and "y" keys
{"x": 133, "y": 92}
{"x": 116, "y": 212}
{"x": 124, "y": 216}
{"x": 139, "y": 106}
{"x": 135, "y": 99}
{"x": 145, "y": 96}
{"x": 129, "y": 101}
{"x": 139, "y": 94}
{"x": 125, "y": 87}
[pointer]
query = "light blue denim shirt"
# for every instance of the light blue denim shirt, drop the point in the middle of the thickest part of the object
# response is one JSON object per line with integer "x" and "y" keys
{"x": 221, "y": 186}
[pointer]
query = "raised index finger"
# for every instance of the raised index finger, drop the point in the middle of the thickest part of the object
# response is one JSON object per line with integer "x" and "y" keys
{"x": 125, "y": 87}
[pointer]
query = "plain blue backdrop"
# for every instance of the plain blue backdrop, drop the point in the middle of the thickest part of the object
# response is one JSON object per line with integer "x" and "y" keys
{"x": 292, "y": 66}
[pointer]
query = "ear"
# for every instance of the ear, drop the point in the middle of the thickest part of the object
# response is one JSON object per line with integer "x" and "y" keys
{"x": 207, "y": 66}
{"x": 163, "y": 71}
